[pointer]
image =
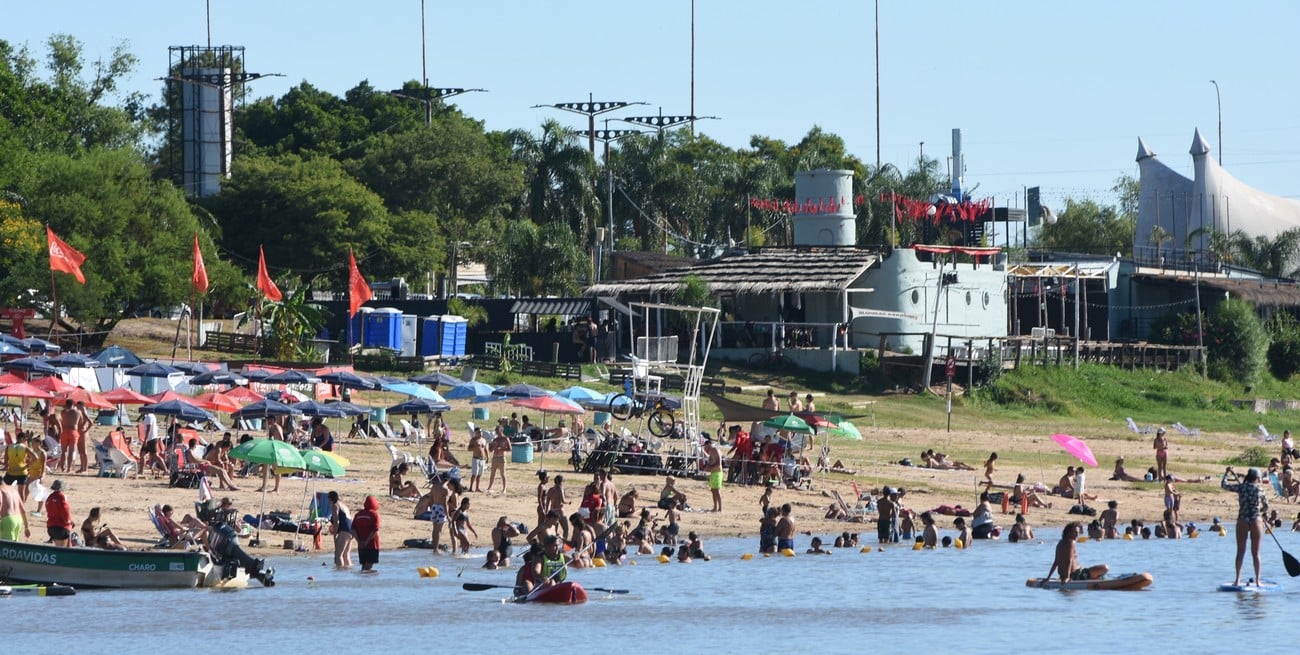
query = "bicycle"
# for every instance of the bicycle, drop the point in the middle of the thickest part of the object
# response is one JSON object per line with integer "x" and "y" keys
{"x": 773, "y": 360}
{"x": 659, "y": 416}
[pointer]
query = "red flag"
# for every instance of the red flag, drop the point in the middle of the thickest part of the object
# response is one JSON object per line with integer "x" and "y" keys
{"x": 358, "y": 291}
{"x": 264, "y": 283}
{"x": 64, "y": 257}
{"x": 200, "y": 275}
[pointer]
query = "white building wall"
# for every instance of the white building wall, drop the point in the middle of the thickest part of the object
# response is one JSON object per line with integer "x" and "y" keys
{"x": 974, "y": 306}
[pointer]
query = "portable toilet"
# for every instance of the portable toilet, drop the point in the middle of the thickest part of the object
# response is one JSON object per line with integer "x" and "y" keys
{"x": 454, "y": 332}
{"x": 356, "y": 326}
{"x": 430, "y": 336}
{"x": 383, "y": 329}
{"x": 410, "y": 331}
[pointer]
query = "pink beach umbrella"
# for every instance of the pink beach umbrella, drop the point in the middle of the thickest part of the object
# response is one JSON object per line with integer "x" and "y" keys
{"x": 1075, "y": 446}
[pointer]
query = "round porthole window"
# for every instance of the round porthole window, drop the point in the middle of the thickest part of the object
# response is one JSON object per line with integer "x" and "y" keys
{"x": 986, "y": 299}
{"x": 916, "y": 296}
{"x": 968, "y": 298}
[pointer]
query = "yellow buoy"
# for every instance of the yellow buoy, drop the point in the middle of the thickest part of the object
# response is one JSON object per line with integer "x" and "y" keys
{"x": 433, "y": 572}
{"x": 865, "y": 549}
{"x": 956, "y": 543}
{"x": 598, "y": 562}
{"x": 1083, "y": 540}
{"x": 747, "y": 556}
{"x": 1128, "y": 537}
{"x": 918, "y": 546}
{"x": 631, "y": 562}
{"x": 1194, "y": 534}
{"x": 788, "y": 552}
{"x": 664, "y": 559}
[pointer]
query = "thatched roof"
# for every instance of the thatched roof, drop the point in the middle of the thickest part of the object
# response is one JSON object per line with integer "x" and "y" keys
{"x": 764, "y": 271}
{"x": 1268, "y": 293}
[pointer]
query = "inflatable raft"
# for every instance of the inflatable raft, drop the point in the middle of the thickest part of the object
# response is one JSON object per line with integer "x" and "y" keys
{"x": 564, "y": 593}
{"x": 1126, "y": 582}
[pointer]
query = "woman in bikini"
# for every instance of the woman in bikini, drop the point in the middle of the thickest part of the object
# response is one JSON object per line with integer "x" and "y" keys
{"x": 1020, "y": 491}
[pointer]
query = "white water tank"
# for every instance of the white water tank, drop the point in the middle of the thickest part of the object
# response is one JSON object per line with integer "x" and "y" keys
{"x": 825, "y": 214}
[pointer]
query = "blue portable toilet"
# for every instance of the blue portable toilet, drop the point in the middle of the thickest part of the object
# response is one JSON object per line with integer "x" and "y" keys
{"x": 383, "y": 329}
{"x": 430, "y": 336}
{"x": 356, "y": 326}
{"x": 454, "y": 331}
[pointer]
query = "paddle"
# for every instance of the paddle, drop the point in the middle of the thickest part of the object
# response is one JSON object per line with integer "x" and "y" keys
{"x": 1291, "y": 563}
{"x": 476, "y": 586}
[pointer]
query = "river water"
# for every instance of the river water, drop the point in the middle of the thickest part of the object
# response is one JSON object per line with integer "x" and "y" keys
{"x": 848, "y": 602}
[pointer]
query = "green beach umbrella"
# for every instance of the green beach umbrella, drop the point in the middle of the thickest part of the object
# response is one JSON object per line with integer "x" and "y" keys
{"x": 789, "y": 422}
{"x": 846, "y": 429}
{"x": 271, "y": 452}
{"x": 318, "y": 461}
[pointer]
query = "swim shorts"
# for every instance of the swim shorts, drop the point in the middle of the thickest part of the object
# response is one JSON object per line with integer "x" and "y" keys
{"x": 715, "y": 480}
{"x": 68, "y": 438}
{"x": 11, "y": 527}
{"x": 476, "y": 467}
{"x": 438, "y": 514}
{"x": 782, "y": 544}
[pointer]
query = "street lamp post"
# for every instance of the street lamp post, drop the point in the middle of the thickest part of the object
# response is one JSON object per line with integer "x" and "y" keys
{"x": 606, "y": 136}
{"x": 661, "y": 122}
{"x": 1218, "y": 105}
{"x": 591, "y": 108}
{"x": 426, "y": 95}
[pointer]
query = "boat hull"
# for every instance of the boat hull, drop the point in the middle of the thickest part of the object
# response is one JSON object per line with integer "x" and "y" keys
{"x": 564, "y": 593}
{"x": 86, "y": 568}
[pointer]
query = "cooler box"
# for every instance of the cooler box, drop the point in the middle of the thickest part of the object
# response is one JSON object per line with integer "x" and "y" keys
{"x": 480, "y": 413}
{"x": 521, "y": 453}
{"x": 378, "y": 414}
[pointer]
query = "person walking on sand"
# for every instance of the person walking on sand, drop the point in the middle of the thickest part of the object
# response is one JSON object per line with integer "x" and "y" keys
{"x": 713, "y": 465}
{"x": 365, "y": 527}
{"x": 1250, "y": 507}
{"x": 67, "y": 425}
{"x": 341, "y": 526}
{"x": 1161, "y": 446}
{"x": 988, "y": 470}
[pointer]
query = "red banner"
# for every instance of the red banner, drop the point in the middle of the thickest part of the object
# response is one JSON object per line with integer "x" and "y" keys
{"x": 358, "y": 291}
{"x": 199, "y": 276}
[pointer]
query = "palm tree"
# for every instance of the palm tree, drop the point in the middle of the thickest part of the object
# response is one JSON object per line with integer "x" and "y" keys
{"x": 558, "y": 172}
{"x": 1158, "y": 235}
{"x": 290, "y": 323}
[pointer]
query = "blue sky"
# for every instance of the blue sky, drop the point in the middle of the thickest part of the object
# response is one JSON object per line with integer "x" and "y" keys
{"x": 1053, "y": 94}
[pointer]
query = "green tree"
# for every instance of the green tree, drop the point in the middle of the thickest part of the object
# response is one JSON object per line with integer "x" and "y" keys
{"x": 67, "y": 112}
{"x": 473, "y": 313}
{"x": 1236, "y": 344}
{"x": 133, "y": 230}
{"x": 532, "y": 261}
{"x": 307, "y": 213}
{"x": 1284, "y": 345}
{"x": 558, "y": 175}
{"x": 1086, "y": 227}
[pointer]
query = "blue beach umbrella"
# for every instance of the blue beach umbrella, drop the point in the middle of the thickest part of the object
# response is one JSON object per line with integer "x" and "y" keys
{"x": 520, "y": 390}
{"x": 74, "y": 360}
{"x": 437, "y": 379}
{"x": 152, "y": 370}
{"x": 178, "y": 409}
{"x": 419, "y": 406}
{"x": 580, "y": 394}
{"x": 265, "y": 408}
{"x": 118, "y": 357}
{"x": 415, "y": 391}
{"x": 291, "y": 376}
{"x": 468, "y": 390}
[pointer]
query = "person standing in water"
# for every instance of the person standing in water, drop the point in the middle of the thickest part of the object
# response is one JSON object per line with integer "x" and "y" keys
{"x": 1250, "y": 507}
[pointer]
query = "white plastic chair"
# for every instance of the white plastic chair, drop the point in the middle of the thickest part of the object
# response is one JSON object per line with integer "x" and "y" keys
{"x": 399, "y": 456}
{"x": 122, "y": 464}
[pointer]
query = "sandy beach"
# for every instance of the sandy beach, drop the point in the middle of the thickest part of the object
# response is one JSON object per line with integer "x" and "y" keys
{"x": 124, "y": 501}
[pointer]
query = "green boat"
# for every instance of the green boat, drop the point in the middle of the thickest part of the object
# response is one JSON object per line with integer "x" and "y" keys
{"x": 86, "y": 568}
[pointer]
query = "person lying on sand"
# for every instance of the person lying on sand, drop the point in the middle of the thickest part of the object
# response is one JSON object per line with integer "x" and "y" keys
{"x": 931, "y": 459}
{"x": 839, "y": 467}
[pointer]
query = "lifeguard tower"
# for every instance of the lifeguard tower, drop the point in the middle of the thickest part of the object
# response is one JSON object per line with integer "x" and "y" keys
{"x": 657, "y": 353}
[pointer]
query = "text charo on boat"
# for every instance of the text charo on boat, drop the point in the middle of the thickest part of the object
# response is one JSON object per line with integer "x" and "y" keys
{"x": 123, "y": 569}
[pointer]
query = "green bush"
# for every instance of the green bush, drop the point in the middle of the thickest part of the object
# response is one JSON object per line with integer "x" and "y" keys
{"x": 1236, "y": 344}
{"x": 1284, "y": 350}
{"x": 1256, "y": 456}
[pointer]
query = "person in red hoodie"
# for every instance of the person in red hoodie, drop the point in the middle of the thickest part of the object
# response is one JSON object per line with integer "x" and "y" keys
{"x": 58, "y": 516}
{"x": 365, "y": 527}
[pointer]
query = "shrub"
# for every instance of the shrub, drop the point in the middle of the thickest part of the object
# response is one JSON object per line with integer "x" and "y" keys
{"x": 1284, "y": 349}
{"x": 1236, "y": 344}
{"x": 1255, "y": 456}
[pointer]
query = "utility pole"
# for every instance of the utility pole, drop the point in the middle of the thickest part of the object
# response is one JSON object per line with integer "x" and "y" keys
{"x": 591, "y": 109}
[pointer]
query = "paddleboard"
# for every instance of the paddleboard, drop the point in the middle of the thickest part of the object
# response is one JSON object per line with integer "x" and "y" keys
{"x": 37, "y": 590}
{"x": 1125, "y": 582}
{"x": 1250, "y": 587}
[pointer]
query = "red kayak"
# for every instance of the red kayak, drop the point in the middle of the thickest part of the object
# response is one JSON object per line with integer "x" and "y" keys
{"x": 564, "y": 593}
